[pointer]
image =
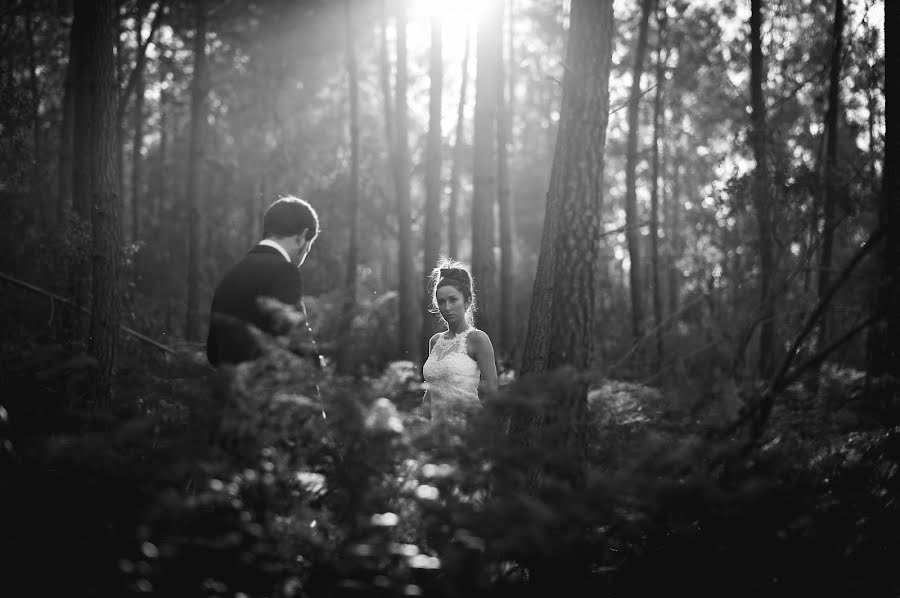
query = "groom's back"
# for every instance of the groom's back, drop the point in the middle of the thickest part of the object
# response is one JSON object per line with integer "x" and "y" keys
{"x": 262, "y": 273}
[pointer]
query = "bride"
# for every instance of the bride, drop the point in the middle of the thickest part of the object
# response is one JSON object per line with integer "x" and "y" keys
{"x": 460, "y": 368}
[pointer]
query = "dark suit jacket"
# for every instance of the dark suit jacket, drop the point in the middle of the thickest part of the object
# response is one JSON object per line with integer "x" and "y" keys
{"x": 262, "y": 273}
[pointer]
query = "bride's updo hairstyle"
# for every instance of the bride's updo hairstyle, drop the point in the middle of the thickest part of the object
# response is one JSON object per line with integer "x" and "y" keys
{"x": 456, "y": 274}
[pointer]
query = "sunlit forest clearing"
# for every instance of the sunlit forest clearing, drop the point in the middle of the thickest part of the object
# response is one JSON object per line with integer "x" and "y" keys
{"x": 683, "y": 227}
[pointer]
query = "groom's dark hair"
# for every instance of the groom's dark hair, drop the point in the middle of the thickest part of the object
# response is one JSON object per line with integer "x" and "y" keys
{"x": 290, "y": 216}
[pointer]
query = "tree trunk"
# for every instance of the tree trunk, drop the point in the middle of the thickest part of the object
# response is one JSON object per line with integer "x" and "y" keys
{"x": 37, "y": 180}
{"x": 137, "y": 144}
{"x": 120, "y": 114}
{"x": 195, "y": 162}
{"x": 162, "y": 198}
{"x": 433, "y": 182}
{"x": 632, "y": 231}
{"x": 505, "y": 199}
{"x": 563, "y": 305}
{"x": 406, "y": 324}
{"x": 885, "y": 337}
{"x": 484, "y": 198}
{"x": 760, "y": 190}
{"x": 105, "y": 309}
{"x": 80, "y": 283}
{"x": 831, "y": 182}
{"x": 658, "y": 117}
{"x": 562, "y": 310}
{"x": 344, "y": 361}
{"x": 673, "y": 221}
{"x": 67, "y": 132}
{"x": 453, "y": 207}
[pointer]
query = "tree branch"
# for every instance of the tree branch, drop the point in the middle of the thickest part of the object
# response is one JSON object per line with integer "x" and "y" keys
{"x": 125, "y": 96}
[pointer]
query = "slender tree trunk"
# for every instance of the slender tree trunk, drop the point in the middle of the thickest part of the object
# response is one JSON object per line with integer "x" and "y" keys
{"x": 81, "y": 198}
{"x": 344, "y": 362}
{"x": 885, "y": 337}
{"x": 105, "y": 309}
{"x": 162, "y": 198}
{"x": 831, "y": 182}
{"x": 484, "y": 269}
{"x": 505, "y": 199}
{"x": 458, "y": 145}
{"x": 433, "y": 182}
{"x": 387, "y": 93}
{"x": 195, "y": 163}
{"x": 632, "y": 232}
{"x": 37, "y": 179}
{"x": 674, "y": 236}
{"x": 406, "y": 324}
{"x": 658, "y": 124}
{"x": 761, "y": 200}
{"x": 120, "y": 115}
{"x": 137, "y": 144}
{"x": 67, "y": 132}
{"x": 563, "y": 306}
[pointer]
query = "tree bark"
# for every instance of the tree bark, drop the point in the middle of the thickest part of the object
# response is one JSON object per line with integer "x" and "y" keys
{"x": 562, "y": 311}
{"x": 484, "y": 197}
{"x": 658, "y": 124}
{"x": 406, "y": 304}
{"x": 632, "y": 234}
{"x": 80, "y": 283}
{"x": 433, "y": 182}
{"x": 830, "y": 186}
{"x": 760, "y": 190}
{"x": 105, "y": 306}
{"x": 195, "y": 162}
{"x": 884, "y": 344}
{"x": 458, "y": 145}
{"x": 563, "y": 306}
{"x": 505, "y": 92}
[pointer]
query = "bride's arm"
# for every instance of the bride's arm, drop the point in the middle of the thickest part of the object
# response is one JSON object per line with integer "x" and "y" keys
{"x": 483, "y": 352}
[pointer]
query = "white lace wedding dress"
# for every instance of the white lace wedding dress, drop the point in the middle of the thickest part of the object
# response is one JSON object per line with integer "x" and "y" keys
{"x": 451, "y": 379}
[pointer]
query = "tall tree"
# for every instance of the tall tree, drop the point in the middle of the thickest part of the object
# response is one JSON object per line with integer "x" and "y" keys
{"x": 658, "y": 124}
{"x": 632, "y": 231}
{"x": 505, "y": 82}
{"x": 563, "y": 304}
{"x": 433, "y": 182}
{"x": 458, "y": 145}
{"x": 831, "y": 183}
{"x": 105, "y": 305}
{"x": 885, "y": 337}
{"x": 353, "y": 193}
{"x": 195, "y": 161}
{"x": 760, "y": 191}
{"x": 406, "y": 303}
{"x": 67, "y": 132}
{"x": 484, "y": 197}
{"x": 137, "y": 143}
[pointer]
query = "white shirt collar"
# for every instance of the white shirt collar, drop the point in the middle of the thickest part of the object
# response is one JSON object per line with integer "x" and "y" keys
{"x": 271, "y": 243}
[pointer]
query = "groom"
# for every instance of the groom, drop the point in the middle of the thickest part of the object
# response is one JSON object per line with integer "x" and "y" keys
{"x": 270, "y": 270}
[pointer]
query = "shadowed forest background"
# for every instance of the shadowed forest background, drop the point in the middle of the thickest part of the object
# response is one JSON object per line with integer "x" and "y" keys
{"x": 684, "y": 231}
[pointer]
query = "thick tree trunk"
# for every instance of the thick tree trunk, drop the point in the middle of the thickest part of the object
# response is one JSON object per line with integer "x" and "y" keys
{"x": 484, "y": 197}
{"x": 831, "y": 182}
{"x": 105, "y": 309}
{"x": 760, "y": 190}
{"x": 885, "y": 337}
{"x": 433, "y": 182}
{"x": 195, "y": 162}
{"x": 658, "y": 125}
{"x": 563, "y": 305}
{"x": 632, "y": 232}
{"x": 406, "y": 304}
{"x": 458, "y": 144}
{"x": 505, "y": 199}
{"x": 563, "y": 302}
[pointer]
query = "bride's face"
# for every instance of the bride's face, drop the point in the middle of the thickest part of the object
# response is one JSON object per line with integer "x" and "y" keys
{"x": 451, "y": 304}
